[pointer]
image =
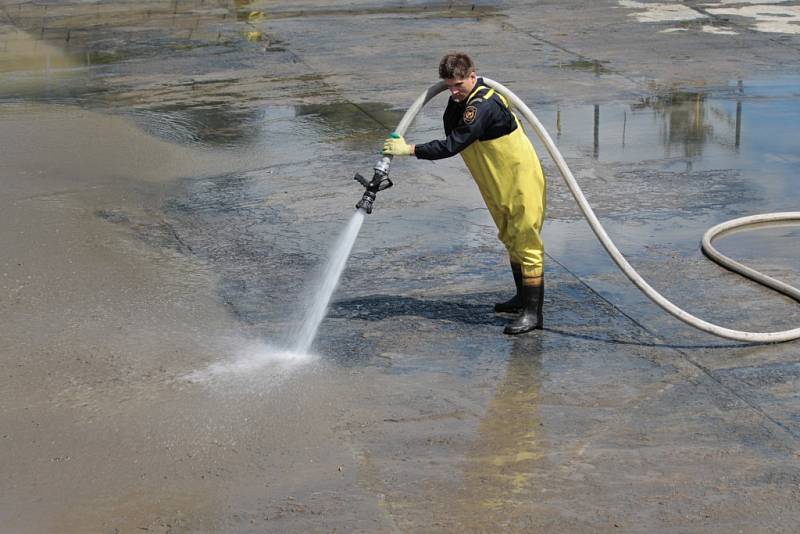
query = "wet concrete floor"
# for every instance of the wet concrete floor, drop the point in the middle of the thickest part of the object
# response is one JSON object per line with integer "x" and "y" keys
{"x": 174, "y": 173}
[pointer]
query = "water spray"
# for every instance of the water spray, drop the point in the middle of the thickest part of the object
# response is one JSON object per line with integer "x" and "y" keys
{"x": 328, "y": 281}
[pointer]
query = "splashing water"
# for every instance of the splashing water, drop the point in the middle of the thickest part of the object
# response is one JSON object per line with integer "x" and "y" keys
{"x": 254, "y": 357}
{"x": 263, "y": 360}
{"x": 330, "y": 279}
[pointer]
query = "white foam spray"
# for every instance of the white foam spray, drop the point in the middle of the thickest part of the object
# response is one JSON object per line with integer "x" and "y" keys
{"x": 330, "y": 279}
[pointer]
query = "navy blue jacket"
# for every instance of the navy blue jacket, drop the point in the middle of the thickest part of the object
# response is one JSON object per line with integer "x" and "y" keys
{"x": 468, "y": 121}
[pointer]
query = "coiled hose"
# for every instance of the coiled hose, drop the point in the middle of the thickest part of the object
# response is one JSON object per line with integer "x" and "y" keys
{"x": 613, "y": 251}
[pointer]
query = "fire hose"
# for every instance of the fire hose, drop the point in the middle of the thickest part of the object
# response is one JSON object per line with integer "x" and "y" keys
{"x": 380, "y": 181}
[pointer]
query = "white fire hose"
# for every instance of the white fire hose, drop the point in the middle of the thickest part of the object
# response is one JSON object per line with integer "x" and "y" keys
{"x": 611, "y": 248}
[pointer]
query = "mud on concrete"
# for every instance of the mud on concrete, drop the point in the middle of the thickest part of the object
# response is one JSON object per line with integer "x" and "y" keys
{"x": 175, "y": 171}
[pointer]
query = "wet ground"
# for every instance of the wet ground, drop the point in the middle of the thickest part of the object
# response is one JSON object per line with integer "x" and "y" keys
{"x": 174, "y": 173}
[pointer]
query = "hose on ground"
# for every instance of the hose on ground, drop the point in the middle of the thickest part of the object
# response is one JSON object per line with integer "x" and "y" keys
{"x": 613, "y": 251}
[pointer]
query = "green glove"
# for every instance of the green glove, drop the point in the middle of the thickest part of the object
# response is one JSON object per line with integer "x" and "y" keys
{"x": 395, "y": 145}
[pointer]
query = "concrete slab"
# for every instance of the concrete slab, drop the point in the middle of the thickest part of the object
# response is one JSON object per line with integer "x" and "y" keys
{"x": 176, "y": 171}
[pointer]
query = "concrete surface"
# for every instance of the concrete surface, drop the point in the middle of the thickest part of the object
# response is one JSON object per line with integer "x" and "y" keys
{"x": 174, "y": 173}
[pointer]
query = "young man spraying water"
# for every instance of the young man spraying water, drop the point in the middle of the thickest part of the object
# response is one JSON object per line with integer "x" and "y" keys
{"x": 480, "y": 126}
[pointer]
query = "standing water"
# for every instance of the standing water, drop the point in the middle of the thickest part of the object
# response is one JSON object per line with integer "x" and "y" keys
{"x": 330, "y": 279}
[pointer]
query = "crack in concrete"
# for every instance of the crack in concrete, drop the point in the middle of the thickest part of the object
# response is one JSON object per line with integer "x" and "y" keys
{"x": 685, "y": 356}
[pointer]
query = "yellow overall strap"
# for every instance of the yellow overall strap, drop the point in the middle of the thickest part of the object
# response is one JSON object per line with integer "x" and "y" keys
{"x": 487, "y": 95}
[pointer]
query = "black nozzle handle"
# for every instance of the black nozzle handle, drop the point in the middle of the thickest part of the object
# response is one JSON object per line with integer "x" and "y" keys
{"x": 386, "y": 183}
{"x": 360, "y": 179}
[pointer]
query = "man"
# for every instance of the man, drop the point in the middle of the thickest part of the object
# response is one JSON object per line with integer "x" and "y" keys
{"x": 480, "y": 126}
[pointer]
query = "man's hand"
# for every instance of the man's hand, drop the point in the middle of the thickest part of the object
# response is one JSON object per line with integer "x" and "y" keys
{"x": 395, "y": 145}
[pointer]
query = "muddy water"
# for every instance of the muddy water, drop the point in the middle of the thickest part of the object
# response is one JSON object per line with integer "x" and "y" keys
{"x": 173, "y": 176}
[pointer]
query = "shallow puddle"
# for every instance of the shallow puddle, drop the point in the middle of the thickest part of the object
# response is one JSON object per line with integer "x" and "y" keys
{"x": 720, "y": 128}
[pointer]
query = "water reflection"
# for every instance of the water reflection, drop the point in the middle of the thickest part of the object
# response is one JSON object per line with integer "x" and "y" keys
{"x": 498, "y": 483}
{"x": 596, "y": 132}
{"x": 225, "y": 124}
{"x": 681, "y": 124}
{"x": 349, "y": 116}
{"x": 684, "y": 120}
{"x": 219, "y": 124}
{"x": 25, "y": 53}
{"x": 67, "y": 44}
{"x": 590, "y": 65}
{"x": 740, "y": 91}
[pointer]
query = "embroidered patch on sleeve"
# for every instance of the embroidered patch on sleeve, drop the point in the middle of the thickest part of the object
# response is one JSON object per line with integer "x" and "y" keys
{"x": 469, "y": 114}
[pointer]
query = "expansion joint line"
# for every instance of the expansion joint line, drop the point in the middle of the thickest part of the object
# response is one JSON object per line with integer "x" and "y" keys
{"x": 706, "y": 371}
{"x": 372, "y": 117}
{"x": 557, "y": 46}
{"x": 683, "y": 354}
{"x": 299, "y": 59}
{"x": 601, "y": 297}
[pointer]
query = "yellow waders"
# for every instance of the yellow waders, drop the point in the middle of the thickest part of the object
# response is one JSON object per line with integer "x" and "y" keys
{"x": 510, "y": 179}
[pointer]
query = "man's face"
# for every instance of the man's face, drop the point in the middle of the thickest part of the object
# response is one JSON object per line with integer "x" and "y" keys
{"x": 461, "y": 88}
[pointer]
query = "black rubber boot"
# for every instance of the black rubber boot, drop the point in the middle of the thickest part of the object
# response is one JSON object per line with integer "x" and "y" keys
{"x": 531, "y": 317}
{"x": 514, "y": 304}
